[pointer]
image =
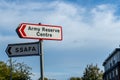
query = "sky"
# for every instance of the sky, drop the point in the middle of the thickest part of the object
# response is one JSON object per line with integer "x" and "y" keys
{"x": 91, "y": 31}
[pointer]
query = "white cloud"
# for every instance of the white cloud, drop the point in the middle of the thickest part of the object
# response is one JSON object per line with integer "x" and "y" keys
{"x": 105, "y": 23}
{"x": 101, "y": 26}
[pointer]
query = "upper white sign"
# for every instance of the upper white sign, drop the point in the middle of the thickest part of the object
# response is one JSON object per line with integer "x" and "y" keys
{"x": 40, "y": 31}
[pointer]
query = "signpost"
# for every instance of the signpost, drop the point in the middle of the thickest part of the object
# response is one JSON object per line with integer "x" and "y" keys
{"x": 39, "y": 31}
{"x": 23, "y": 49}
{"x": 34, "y": 31}
{"x": 41, "y": 60}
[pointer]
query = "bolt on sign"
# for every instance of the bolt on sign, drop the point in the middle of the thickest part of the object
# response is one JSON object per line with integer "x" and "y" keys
{"x": 39, "y": 31}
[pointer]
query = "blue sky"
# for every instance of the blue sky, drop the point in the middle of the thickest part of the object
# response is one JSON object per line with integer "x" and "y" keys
{"x": 91, "y": 31}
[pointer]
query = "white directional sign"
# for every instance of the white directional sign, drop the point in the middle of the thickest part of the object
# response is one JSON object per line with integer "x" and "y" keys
{"x": 40, "y": 31}
{"x": 23, "y": 49}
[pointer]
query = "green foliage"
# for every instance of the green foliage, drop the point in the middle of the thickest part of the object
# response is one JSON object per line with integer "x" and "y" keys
{"x": 23, "y": 71}
{"x": 4, "y": 71}
{"x": 75, "y": 78}
{"x": 20, "y": 71}
{"x": 92, "y": 73}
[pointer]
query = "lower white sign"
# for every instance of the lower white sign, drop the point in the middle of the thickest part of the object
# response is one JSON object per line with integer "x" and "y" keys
{"x": 23, "y": 49}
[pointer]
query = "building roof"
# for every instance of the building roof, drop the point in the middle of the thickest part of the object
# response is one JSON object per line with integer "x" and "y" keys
{"x": 111, "y": 55}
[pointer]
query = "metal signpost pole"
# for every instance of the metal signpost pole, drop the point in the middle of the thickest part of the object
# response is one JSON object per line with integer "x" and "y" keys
{"x": 41, "y": 60}
{"x": 10, "y": 68}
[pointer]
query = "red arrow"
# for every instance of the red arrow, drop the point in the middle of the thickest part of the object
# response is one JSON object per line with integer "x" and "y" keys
{"x": 21, "y": 30}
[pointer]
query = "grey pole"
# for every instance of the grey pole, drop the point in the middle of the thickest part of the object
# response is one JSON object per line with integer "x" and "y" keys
{"x": 10, "y": 68}
{"x": 41, "y": 59}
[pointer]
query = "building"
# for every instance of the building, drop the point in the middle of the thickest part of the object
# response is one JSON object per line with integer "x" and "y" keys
{"x": 112, "y": 66}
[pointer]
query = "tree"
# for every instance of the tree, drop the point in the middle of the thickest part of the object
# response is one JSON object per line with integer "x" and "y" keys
{"x": 92, "y": 73}
{"x": 20, "y": 71}
{"x": 4, "y": 71}
{"x": 72, "y": 78}
{"x": 75, "y": 78}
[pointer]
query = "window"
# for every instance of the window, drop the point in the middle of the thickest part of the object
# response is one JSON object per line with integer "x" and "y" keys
{"x": 118, "y": 56}
{"x": 107, "y": 77}
{"x": 113, "y": 73}
{"x": 110, "y": 75}
{"x": 110, "y": 65}
{"x": 113, "y": 62}
{"x": 116, "y": 71}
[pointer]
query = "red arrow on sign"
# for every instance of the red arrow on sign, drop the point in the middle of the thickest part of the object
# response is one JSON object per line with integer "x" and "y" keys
{"x": 21, "y": 30}
{"x": 39, "y": 31}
